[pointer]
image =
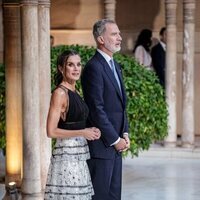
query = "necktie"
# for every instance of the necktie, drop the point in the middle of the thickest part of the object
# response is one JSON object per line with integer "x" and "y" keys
{"x": 112, "y": 65}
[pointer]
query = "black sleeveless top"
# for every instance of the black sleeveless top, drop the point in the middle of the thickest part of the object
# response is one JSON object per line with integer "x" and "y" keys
{"x": 77, "y": 113}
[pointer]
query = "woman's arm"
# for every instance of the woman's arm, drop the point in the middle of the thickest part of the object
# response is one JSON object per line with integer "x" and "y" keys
{"x": 59, "y": 104}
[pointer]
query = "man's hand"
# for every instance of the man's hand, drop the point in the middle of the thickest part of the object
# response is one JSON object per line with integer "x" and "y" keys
{"x": 121, "y": 145}
{"x": 126, "y": 138}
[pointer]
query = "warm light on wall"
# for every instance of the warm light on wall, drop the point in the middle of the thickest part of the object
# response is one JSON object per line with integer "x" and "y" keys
{"x": 13, "y": 144}
{"x": 13, "y": 153}
{"x": 13, "y": 125}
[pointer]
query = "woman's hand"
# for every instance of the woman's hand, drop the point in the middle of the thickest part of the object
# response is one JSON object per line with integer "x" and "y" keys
{"x": 92, "y": 133}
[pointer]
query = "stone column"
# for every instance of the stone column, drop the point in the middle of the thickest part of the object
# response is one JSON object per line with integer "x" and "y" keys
{"x": 110, "y": 7}
{"x": 171, "y": 71}
{"x": 31, "y": 183}
{"x": 12, "y": 38}
{"x": 45, "y": 84}
{"x": 1, "y": 33}
{"x": 188, "y": 73}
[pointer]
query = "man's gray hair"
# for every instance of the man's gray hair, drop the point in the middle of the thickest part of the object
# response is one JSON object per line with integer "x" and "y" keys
{"x": 100, "y": 27}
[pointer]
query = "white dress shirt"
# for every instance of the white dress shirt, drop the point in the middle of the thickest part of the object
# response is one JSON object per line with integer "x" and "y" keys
{"x": 143, "y": 57}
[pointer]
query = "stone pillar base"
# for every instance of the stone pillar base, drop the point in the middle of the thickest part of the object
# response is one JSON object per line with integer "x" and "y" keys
{"x": 187, "y": 145}
{"x": 38, "y": 196}
{"x": 16, "y": 196}
{"x": 170, "y": 144}
{"x": 31, "y": 186}
{"x": 20, "y": 196}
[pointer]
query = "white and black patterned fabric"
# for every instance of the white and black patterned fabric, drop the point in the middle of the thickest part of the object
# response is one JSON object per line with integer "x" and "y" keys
{"x": 68, "y": 176}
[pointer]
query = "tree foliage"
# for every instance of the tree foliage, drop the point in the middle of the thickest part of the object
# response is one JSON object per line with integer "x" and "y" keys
{"x": 146, "y": 108}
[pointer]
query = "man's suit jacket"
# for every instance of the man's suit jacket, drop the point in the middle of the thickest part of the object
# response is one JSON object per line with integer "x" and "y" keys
{"x": 106, "y": 105}
{"x": 158, "y": 60}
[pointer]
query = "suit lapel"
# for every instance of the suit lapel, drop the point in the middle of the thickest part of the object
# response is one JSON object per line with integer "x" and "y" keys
{"x": 110, "y": 74}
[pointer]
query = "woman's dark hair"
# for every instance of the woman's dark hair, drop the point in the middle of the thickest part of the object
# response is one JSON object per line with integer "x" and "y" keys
{"x": 144, "y": 39}
{"x": 61, "y": 62}
{"x": 162, "y": 30}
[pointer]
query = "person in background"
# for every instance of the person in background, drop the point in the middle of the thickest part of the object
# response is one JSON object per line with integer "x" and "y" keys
{"x": 105, "y": 96}
{"x": 158, "y": 57}
{"x": 68, "y": 176}
{"x": 142, "y": 48}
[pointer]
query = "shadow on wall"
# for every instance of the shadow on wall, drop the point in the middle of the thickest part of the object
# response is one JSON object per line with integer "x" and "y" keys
{"x": 136, "y": 16}
{"x": 64, "y": 13}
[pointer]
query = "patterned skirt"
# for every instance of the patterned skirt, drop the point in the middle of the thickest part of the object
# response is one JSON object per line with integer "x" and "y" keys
{"x": 68, "y": 176}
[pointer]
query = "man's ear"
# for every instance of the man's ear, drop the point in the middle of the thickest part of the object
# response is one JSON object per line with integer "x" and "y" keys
{"x": 100, "y": 40}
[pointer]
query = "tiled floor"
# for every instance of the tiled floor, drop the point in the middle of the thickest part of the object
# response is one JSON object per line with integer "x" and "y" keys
{"x": 146, "y": 178}
{"x": 159, "y": 175}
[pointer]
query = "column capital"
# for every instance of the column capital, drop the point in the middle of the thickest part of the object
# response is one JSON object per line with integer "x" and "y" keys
{"x": 110, "y": 1}
{"x": 44, "y": 2}
{"x": 189, "y": 11}
{"x": 171, "y": 6}
{"x": 10, "y": 3}
{"x": 29, "y": 2}
{"x": 11, "y": 14}
{"x": 189, "y": 1}
{"x": 110, "y": 7}
{"x": 171, "y": 1}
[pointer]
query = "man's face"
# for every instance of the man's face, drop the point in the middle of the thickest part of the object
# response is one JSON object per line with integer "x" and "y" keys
{"x": 112, "y": 38}
{"x": 164, "y": 37}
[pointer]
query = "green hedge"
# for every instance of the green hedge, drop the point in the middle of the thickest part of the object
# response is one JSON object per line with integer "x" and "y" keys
{"x": 147, "y": 109}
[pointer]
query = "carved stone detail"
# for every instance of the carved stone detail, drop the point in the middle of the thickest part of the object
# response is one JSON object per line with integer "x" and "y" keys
{"x": 110, "y": 7}
{"x": 29, "y": 2}
{"x": 44, "y": 3}
{"x": 171, "y": 6}
{"x": 189, "y": 11}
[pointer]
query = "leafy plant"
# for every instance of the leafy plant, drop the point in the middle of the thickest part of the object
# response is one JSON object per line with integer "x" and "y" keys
{"x": 146, "y": 108}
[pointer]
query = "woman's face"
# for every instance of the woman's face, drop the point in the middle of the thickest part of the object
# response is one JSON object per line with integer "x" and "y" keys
{"x": 72, "y": 69}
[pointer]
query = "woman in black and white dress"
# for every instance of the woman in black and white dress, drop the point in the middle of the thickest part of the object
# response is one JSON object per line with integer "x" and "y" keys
{"x": 68, "y": 176}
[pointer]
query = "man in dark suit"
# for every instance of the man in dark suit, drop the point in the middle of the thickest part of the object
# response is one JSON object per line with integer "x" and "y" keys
{"x": 104, "y": 94}
{"x": 158, "y": 57}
